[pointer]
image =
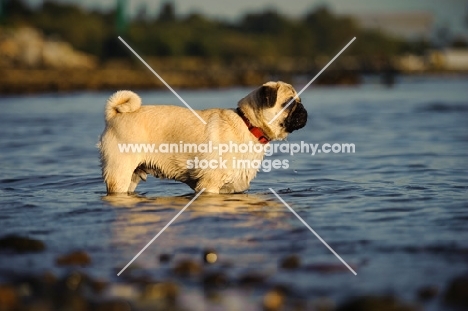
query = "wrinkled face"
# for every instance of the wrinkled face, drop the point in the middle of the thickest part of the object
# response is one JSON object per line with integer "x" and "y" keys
{"x": 268, "y": 101}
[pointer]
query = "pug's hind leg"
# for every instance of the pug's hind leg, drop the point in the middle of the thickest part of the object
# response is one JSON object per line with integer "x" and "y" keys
{"x": 138, "y": 174}
{"x": 118, "y": 175}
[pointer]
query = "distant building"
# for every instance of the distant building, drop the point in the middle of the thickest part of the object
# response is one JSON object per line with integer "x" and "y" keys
{"x": 409, "y": 25}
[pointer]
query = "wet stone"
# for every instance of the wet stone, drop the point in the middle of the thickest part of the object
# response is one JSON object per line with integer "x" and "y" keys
{"x": 49, "y": 278}
{"x": 427, "y": 292}
{"x": 8, "y": 298}
{"x": 113, "y": 305}
{"x": 273, "y": 300}
{"x": 251, "y": 279}
{"x": 328, "y": 268}
{"x": 457, "y": 292}
{"x": 216, "y": 280}
{"x": 73, "y": 302}
{"x": 165, "y": 258}
{"x": 290, "y": 262}
{"x": 161, "y": 291}
{"x": 210, "y": 256}
{"x": 73, "y": 281}
{"x": 21, "y": 244}
{"x": 77, "y": 258}
{"x": 187, "y": 268}
{"x": 98, "y": 286}
{"x": 373, "y": 303}
{"x": 323, "y": 304}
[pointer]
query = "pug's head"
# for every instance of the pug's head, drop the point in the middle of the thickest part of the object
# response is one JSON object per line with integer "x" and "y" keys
{"x": 264, "y": 103}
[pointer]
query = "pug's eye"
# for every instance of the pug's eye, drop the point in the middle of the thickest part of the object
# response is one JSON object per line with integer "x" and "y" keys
{"x": 287, "y": 102}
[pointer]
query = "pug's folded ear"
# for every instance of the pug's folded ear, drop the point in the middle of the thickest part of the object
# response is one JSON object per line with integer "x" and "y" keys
{"x": 266, "y": 95}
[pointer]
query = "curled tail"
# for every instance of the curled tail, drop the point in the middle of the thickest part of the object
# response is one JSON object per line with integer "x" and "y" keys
{"x": 120, "y": 102}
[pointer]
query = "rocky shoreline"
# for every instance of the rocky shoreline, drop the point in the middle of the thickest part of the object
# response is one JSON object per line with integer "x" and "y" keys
{"x": 194, "y": 284}
{"x": 26, "y": 81}
{"x": 33, "y": 63}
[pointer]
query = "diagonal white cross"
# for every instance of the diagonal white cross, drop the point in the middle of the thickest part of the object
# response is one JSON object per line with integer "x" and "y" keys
{"x": 203, "y": 121}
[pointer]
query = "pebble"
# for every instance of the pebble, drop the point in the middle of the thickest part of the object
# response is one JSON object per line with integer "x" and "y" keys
{"x": 49, "y": 278}
{"x": 161, "y": 291}
{"x": 290, "y": 262}
{"x": 113, "y": 305}
{"x": 210, "y": 256}
{"x": 457, "y": 292}
{"x": 121, "y": 291}
{"x": 374, "y": 303}
{"x": 21, "y": 244}
{"x": 187, "y": 267}
{"x": 73, "y": 281}
{"x": 427, "y": 292}
{"x": 328, "y": 268}
{"x": 165, "y": 258}
{"x": 98, "y": 286}
{"x": 8, "y": 298}
{"x": 323, "y": 304}
{"x": 216, "y": 280}
{"x": 273, "y": 300}
{"x": 251, "y": 279}
{"x": 76, "y": 258}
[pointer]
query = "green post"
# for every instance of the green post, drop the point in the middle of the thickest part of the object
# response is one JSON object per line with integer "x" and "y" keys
{"x": 121, "y": 21}
{"x": 2, "y": 11}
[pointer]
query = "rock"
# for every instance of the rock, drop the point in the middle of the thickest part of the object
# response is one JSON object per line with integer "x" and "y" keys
{"x": 323, "y": 304}
{"x": 273, "y": 300}
{"x": 74, "y": 280}
{"x": 251, "y": 279}
{"x": 215, "y": 280}
{"x": 73, "y": 302}
{"x": 328, "y": 268}
{"x": 77, "y": 258}
{"x": 98, "y": 286}
{"x": 165, "y": 258}
{"x": 121, "y": 291}
{"x": 113, "y": 305}
{"x": 427, "y": 292}
{"x": 187, "y": 268}
{"x": 457, "y": 292}
{"x": 49, "y": 278}
{"x": 58, "y": 54}
{"x": 373, "y": 303}
{"x": 210, "y": 256}
{"x": 290, "y": 262}
{"x": 39, "y": 305}
{"x": 27, "y": 47}
{"x": 161, "y": 291}
{"x": 21, "y": 244}
{"x": 8, "y": 298}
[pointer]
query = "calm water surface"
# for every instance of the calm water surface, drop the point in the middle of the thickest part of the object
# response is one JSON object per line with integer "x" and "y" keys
{"x": 396, "y": 210}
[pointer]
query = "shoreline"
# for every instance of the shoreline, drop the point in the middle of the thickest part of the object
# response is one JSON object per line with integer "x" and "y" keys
{"x": 38, "y": 81}
{"x": 30, "y": 81}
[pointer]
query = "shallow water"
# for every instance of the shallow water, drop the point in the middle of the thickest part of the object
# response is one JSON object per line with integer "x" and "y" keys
{"x": 396, "y": 210}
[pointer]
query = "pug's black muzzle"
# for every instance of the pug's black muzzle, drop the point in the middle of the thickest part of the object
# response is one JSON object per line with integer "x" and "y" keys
{"x": 297, "y": 119}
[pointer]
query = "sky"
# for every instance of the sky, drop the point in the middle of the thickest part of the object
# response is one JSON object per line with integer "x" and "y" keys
{"x": 450, "y": 13}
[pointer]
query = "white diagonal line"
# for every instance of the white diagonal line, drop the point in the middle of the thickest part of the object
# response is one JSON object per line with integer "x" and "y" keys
{"x": 310, "y": 82}
{"x": 312, "y": 230}
{"x": 162, "y": 80}
{"x": 162, "y": 230}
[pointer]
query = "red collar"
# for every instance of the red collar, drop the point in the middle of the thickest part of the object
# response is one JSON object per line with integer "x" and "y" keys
{"x": 256, "y": 131}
